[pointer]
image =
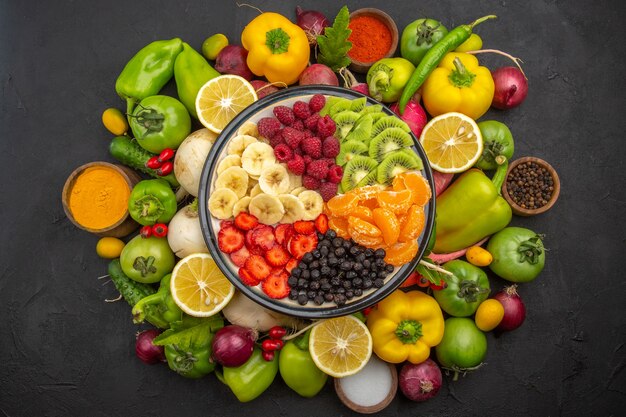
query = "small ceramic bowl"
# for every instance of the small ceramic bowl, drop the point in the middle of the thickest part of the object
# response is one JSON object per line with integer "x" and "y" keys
{"x": 363, "y": 67}
{"x": 521, "y": 211}
{"x": 123, "y": 226}
{"x": 372, "y": 408}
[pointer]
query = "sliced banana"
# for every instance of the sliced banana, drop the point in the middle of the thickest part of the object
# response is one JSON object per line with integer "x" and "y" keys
{"x": 254, "y": 177}
{"x": 274, "y": 180}
{"x": 296, "y": 191}
{"x": 234, "y": 178}
{"x": 227, "y": 162}
{"x": 267, "y": 208}
{"x": 256, "y": 190}
{"x": 241, "y": 205}
{"x": 294, "y": 208}
{"x": 295, "y": 181}
{"x": 221, "y": 203}
{"x": 251, "y": 184}
{"x": 239, "y": 143}
{"x": 313, "y": 204}
{"x": 249, "y": 129}
{"x": 256, "y": 157}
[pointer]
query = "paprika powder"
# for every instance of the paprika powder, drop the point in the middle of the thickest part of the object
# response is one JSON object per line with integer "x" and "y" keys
{"x": 370, "y": 37}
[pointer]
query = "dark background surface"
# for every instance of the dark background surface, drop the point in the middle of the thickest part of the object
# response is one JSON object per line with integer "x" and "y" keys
{"x": 64, "y": 352}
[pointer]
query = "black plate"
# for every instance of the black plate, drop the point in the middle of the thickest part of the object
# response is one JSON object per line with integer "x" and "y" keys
{"x": 287, "y": 306}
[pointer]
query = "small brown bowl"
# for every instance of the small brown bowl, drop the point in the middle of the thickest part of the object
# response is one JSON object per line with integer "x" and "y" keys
{"x": 373, "y": 408}
{"x": 520, "y": 211}
{"x": 122, "y": 227}
{"x": 363, "y": 67}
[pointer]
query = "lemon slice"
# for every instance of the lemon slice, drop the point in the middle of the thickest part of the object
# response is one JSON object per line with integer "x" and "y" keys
{"x": 198, "y": 286}
{"x": 341, "y": 346}
{"x": 452, "y": 142}
{"x": 223, "y": 98}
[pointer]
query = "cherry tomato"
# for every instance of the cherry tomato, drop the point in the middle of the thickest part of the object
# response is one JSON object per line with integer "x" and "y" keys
{"x": 166, "y": 154}
{"x": 277, "y": 332}
{"x": 423, "y": 282}
{"x": 165, "y": 169}
{"x": 146, "y": 232}
{"x": 159, "y": 230}
{"x": 267, "y": 355}
{"x": 153, "y": 163}
{"x": 270, "y": 345}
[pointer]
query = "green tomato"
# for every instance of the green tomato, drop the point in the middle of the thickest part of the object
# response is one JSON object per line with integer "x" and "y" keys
{"x": 498, "y": 144}
{"x": 473, "y": 43}
{"x": 160, "y": 122}
{"x": 463, "y": 345}
{"x": 152, "y": 201}
{"x": 465, "y": 290}
{"x": 147, "y": 260}
{"x": 418, "y": 37}
{"x": 518, "y": 254}
{"x": 191, "y": 363}
{"x": 387, "y": 77}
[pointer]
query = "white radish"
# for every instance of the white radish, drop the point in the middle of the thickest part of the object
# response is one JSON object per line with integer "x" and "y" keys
{"x": 184, "y": 233}
{"x": 190, "y": 158}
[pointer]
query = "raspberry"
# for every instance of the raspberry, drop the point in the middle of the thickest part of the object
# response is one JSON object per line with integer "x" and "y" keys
{"x": 292, "y": 137}
{"x": 327, "y": 190}
{"x": 283, "y": 152}
{"x": 301, "y": 110}
{"x": 335, "y": 173}
{"x": 317, "y": 103}
{"x": 277, "y": 139}
{"x": 330, "y": 147}
{"x": 311, "y": 122}
{"x": 310, "y": 183}
{"x": 298, "y": 151}
{"x": 268, "y": 126}
{"x": 296, "y": 165}
{"x": 285, "y": 115}
{"x": 308, "y": 134}
{"x": 317, "y": 169}
{"x": 329, "y": 162}
{"x": 307, "y": 160}
{"x": 298, "y": 125}
{"x": 312, "y": 147}
{"x": 326, "y": 126}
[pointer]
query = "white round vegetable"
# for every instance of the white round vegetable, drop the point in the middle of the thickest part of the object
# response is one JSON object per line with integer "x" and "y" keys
{"x": 184, "y": 234}
{"x": 190, "y": 158}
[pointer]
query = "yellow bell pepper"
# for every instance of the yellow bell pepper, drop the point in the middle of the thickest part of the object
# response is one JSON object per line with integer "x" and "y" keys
{"x": 458, "y": 84}
{"x": 404, "y": 326}
{"x": 277, "y": 48}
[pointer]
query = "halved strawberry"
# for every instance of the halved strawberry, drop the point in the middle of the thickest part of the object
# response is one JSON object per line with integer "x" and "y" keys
{"x": 321, "y": 223}
{"x": 277, "y": 256}
{"x": 275, "y": 286}
{"x": 257, "y": 266}
{"x": 304, "y": 227}
{"x": 239, "y": 257}
{"x": 226, "y": 223}
{"x": 293, "y": 262}
{"x": 246, "y": 221}
{"x": 247, "y": 278}
{"x": 263, "y": 237}
{"x": 229, "y": 239}
{"x": 301, "y": 244}
{"x": 283, "y": 232}
{"x": 252, "y": 247}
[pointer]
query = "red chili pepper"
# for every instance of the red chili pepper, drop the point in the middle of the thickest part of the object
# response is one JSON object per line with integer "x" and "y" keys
{"x": 423, "y": 282}
{"x": 367, "y": 311}
{"x": 154, "y": 163}
{"x": 146, "y": 232}
{"x": 277, "y": 332}
{"x": 270, "y": 345}
{"x": 159, "y": 230}
{"x": 410, "y": 280}
{"x": 267, "y": 355}
{"x": 165, "y": 169}
{"x": 441, "y": 286}
{"x": 166, "y": 154}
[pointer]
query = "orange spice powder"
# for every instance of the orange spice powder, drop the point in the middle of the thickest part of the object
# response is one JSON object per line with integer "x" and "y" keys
{"x": 370, "y": 37}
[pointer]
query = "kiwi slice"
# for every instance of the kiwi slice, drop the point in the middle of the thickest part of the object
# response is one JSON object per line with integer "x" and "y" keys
{"x": 349, "y": 150}
{"x": 411, "y": 154}
{"x": 358, "y": 104}
{"x": 369, "y": 179}
{"x": 377, "y": 115}
{"x": 330, "y": 102}
{"x": 340, "y": 106}
{"x": 355, "y": 170}
{"x": 374, "y": 108}
{"x": 389, "y": 140}
{"x": 393, "y": 164}
{"x": 362, "y": 130}
{"x": 387, "y": 122}
{"x": 345, "y": 122}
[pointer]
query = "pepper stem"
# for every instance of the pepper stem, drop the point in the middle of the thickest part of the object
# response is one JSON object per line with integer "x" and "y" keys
{"x": 530, "y": 250}
{"x": 409, "y": 331}
{"x": 470, "y": 290}
{"x": 482, "y": 19}
{"x": 277, "y": 40}
{"x": 150, "y": 208}
{"x": 461, "y": 76}
{"x": 380, "y": 80}
{"x": 500, "y": 176}
{"x": 139, "y": 310}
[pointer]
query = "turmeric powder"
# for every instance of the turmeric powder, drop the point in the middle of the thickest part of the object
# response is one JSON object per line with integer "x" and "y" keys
{"x": 99, "y": 197}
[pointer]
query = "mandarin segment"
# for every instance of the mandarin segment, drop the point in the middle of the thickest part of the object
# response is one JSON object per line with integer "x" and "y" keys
{"x": 342, "y": 205}
{"x": 340, "y": 226}
{"x": 396, "y": 201}
{"x": 363, "y": 213}
{"x": 413, "y": 224}
{"x": 367, "y": 241}
{"x": 417, "y": 184}
{"x": 356, "y": 225}
{"x": 388, "y": 224}
{"x": 401, "y": 253}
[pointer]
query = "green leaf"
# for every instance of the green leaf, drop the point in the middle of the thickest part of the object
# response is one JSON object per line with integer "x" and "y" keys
{"x": 190, "y": 332}
{"x": 435, "y": 277}
{"x": 334, "y": 44}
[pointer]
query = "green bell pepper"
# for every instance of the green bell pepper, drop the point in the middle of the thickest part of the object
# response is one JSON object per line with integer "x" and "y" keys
{"x": 298, "y": 369}
{"x": 498, "y": 144}
{"x": 387, "y": 77}
{"x": 251, "y": 379}
{"x": 465, "y": 290}
{"x": 164, "y": 309}
{"x": 471, "y": 209}
{"x": 418, "y": 37}
{"x": 148, "y": 71}
{"x": 194, "y": 363}
{"x": 191, "y": 71}
{"x": 518, "y": 254}
{"x": 152, "y": 201}
{"x": 160, "y": 122}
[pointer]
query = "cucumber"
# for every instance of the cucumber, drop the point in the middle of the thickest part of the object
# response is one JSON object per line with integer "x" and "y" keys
{"x": 132, "y": 291}
{"x": 128, "y": 152}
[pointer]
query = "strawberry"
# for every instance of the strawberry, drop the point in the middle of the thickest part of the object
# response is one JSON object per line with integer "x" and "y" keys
{"x": 275, "y": 286}
{"x": 283, "y": 232}
{"x": 263, "y": 237}
{"x": 301, "y": 244}
{"x": 277, "y": 256}
{"x": 257, "y": 267}
{"x": 226, "y": 223}
{"x": 229, "y": 239}
{"x": 293, "y": 262}
{"x": 247, "y": 278}
{"x": 246, "y": 221}
{"x": 321, "y": 223}
{"x": 250, "y": 244}
{"x": 304, "y": 227}
{"x": 239, "y": 257}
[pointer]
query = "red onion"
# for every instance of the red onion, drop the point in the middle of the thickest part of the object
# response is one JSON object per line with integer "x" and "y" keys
{"x": 420, "y": 382}
{"x": 146, "y": 351}
{"x": 318, "y": 74}
{"x": 414, "y": 115}
{"x": 441, "y": 180}
{"x": 232, "y": 60}
{"x": 263, "y": 88}
{"x": 349, "y": 81}
{"x": 233, "y": 345}
{"x": 312, "y": 22}
{"x": 514, "y": 309}
{"x": 511, "y": 88}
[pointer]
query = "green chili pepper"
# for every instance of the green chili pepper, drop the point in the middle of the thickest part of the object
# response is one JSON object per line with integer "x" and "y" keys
{"x": 251, "y": 379}
{"x": 470, "y": 210}
{"x": 164, "y": 309}
{"x": 434, "y": 55}
{"x": 298, "y": 369}
{"x": 152, "y": 201}
{"x": 464, "y": 290}
{"x": 387, "y": 77}
{"x": 191, "y": 71}
{"x": 148, "y": 71}
{"x": 498, "y": 144}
